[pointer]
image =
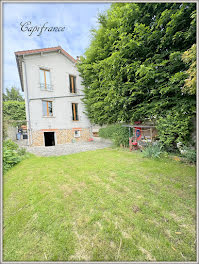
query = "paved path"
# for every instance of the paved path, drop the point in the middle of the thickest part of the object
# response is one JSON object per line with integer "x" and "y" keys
{"x": 68, "y": 148}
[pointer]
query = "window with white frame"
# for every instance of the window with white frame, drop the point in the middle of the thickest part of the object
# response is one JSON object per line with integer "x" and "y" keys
{"x": 77, "y": 133}
{"x": 47, "y": 107}
{"x": 45, "y": 82}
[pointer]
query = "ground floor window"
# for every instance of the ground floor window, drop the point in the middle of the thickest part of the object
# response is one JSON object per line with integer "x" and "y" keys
{"x": 49, "y": 139}
{"x": 77, "y": 133}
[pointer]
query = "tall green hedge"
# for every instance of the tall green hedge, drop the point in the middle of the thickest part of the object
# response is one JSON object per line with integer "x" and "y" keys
{"x": 133, "y": 69}
{"x": 117, "y": 133}
{"x": 174, "y": 127}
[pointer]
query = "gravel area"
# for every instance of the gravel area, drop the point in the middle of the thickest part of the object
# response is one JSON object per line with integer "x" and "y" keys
{"x": 68, "y": 148}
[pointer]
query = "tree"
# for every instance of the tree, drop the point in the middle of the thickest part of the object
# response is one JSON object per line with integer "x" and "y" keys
{"x": 13, "y": 110}
{"x": 12, "y": 95}
{"x": 133, "y": 69}
{"x": 189, "y": 57}
{"x": 13, "y": 114}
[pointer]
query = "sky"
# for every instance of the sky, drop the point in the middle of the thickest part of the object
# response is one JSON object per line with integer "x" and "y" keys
{"x": 77, "y": 18}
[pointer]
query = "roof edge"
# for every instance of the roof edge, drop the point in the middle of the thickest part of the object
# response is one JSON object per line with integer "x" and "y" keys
{"x": 19, "y": 54}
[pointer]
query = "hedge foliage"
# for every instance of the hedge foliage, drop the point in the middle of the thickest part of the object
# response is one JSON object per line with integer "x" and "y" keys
{"x": 117, "y": 133}
{"x": 190, "y": 154}
{"x": 174, "y": 127}
{"x": 133, "y": 69}
{"x": 12, "y": 154}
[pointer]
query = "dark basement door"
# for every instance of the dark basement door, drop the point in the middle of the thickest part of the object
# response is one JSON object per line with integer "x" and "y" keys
{"x": 49, "y": 138}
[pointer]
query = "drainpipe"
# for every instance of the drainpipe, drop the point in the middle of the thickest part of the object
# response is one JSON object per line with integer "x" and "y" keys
{"x": 28, "y": 104}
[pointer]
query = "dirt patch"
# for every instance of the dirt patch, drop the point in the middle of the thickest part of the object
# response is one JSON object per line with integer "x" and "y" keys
{"x": 135, "y": 209}
{"x": 68, "y": 189}
{"x": 147, "y": 254}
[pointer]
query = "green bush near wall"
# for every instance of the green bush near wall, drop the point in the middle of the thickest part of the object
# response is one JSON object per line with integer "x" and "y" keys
{"x": 190, "y": 154}
{"x": 174, "y": 127}
{"x": 117, "y": 133}
{"x": 12, "y": 154}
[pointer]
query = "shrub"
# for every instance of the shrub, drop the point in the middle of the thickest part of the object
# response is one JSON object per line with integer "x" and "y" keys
{"x": 5, "y": 128}
{"x": 152, "y": 150}
{"x": 10, "y": 144}
{"x": 189, "y": 154}
{"x": 174, "y": 127}
{"x": 21, "y": 151}
{"x": 12, "y": 154}
{"x": 10, "y": 158}
{"x": 117, "y": 133}
{"x": 107, "y": 132}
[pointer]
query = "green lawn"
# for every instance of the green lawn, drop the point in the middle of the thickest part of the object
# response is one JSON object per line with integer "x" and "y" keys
{"x": 100, "y": 205}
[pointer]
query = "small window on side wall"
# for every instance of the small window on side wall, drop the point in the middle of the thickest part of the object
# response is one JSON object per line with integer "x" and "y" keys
{"x": 72, "y": 82}
{"x": 77, "y": 133}
{"x": 75, "y": 116}
{"x": 47, "y": 108}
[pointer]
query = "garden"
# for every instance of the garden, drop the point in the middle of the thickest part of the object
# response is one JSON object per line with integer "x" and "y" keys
{"x": 114, "y": 204}
{"x": 111, "y": 205}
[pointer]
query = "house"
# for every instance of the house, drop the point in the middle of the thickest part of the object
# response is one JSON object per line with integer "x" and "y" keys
{"x": 53, "y": 92}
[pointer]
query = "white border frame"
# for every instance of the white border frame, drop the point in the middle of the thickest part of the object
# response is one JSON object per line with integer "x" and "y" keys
{"x": 197, "y": 121}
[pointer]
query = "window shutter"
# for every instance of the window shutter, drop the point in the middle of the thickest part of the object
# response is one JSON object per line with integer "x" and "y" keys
{"x": 76, "y": 111}
{"x": 50, "y": 109}
{"x": 70, "y": 84}
{"x": 74, "y": 83}
{"x": 73, "y": 116}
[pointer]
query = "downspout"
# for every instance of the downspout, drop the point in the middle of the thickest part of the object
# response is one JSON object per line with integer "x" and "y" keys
{"x": 28, "y": 104}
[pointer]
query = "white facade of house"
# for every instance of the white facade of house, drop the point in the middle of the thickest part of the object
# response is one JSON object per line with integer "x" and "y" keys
{"x": 61, "y": 122}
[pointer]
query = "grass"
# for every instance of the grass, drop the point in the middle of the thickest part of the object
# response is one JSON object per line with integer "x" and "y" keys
{"x": 104, "y": 205}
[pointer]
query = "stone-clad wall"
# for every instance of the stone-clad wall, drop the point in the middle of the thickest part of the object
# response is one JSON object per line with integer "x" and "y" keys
{"x": 37, "y": 138}
{"x": 62, "y": 136}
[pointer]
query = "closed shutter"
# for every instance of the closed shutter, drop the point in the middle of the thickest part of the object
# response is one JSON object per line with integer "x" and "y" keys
{"x": 70, "y": 81}
{"x": 75, "y": 116}
{"x": 76, "y": 110}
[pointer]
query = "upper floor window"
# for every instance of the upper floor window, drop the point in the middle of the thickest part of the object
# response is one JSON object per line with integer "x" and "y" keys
{"x": 45, "y": 83}
{"x": 72, "y": 81}
{"x": 75, "y": 116}
{"x": 47, "y": 108}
